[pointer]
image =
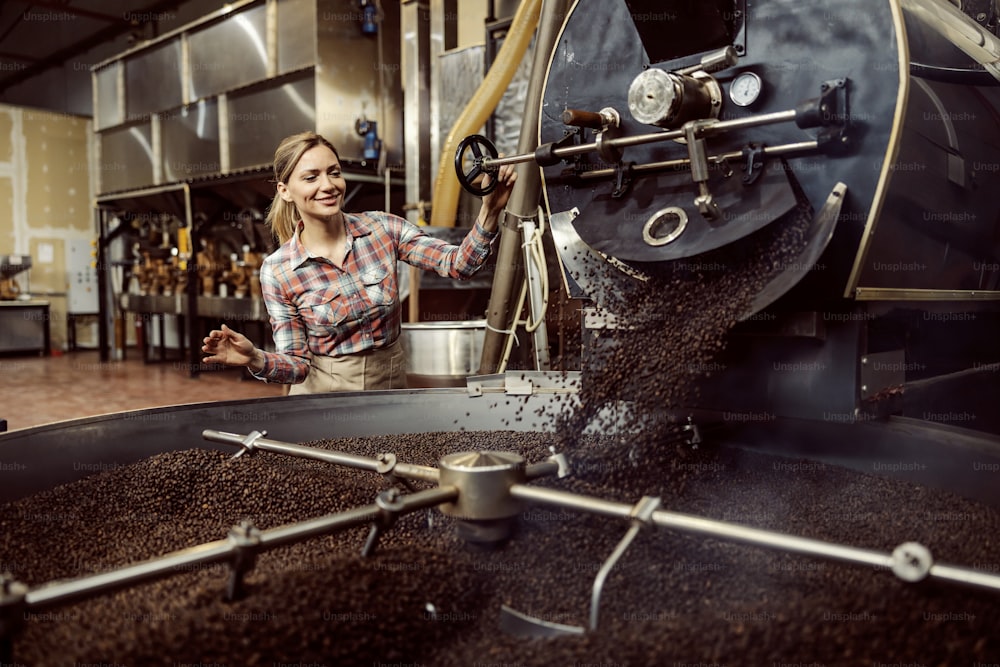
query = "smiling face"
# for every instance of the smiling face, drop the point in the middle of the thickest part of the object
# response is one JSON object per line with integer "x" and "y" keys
{"x": 316, "y": 186}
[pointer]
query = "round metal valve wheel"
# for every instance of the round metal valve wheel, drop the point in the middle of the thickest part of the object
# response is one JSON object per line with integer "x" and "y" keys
{"x": 478, "y": 145}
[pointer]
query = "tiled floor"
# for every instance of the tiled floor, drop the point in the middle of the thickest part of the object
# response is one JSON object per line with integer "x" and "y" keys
{"x": 39, "y": 390}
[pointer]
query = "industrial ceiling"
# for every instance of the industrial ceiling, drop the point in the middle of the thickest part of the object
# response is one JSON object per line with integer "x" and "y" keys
{"x": 39, "y": 36}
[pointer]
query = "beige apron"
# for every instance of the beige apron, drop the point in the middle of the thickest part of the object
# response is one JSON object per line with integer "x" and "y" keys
{"x": 384, "y": 368}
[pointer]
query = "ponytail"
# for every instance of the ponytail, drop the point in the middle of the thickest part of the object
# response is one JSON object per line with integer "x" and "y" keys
{"x": 281, "y": 219}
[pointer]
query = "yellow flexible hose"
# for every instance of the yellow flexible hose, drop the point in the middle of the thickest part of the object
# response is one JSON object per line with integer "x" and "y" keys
{"x": 477, "y": 111}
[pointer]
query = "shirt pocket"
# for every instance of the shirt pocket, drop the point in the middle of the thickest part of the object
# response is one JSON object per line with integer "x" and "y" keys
{"x": 379, "y": 285}
{"x": 324, "y": 311}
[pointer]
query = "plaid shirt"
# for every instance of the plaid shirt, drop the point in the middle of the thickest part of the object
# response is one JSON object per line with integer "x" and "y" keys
{"x": 317, "y": 308}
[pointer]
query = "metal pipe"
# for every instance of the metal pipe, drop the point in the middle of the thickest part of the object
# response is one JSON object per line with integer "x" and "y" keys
{"x": 407, "y": 470}
{"x": 104, "y": 294}
{"x": 771, "y": 539}
{"x": 224, "y": 550}
{"x": 287, "y": 448}
{"x": 566, "y": 500}
{"x": 414, "y": 471}
{"x": 966, "y": 576}
{"x": 649, "y": 138}
{"x": 693, "y": 524}
{"x": 747, "y": 535}
{"x": 523, "y": 203}
{"x": 783, "y": 149}
{"x": 303, "y": 530}
{"x": 541, "y": 469}
{"x": 298, "y": 532}
{"x": 84, "y": 587}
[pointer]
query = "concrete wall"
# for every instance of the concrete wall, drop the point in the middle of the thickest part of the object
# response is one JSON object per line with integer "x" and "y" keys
{"x": 45, "y": 203}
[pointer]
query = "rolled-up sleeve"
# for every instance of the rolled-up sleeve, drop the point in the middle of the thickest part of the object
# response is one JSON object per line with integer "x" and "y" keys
{"x": 289, "y": 363}
{"x": 447, "y": 260}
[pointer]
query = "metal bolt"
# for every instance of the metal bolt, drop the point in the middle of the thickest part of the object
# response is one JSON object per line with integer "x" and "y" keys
{"x": 911, "y": 561}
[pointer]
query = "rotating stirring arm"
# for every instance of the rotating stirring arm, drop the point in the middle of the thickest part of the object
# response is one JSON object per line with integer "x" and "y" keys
{"x": 493, "y": 484}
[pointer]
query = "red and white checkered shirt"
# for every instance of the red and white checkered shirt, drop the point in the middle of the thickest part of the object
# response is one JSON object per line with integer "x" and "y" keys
{"x": 316, "y": 308}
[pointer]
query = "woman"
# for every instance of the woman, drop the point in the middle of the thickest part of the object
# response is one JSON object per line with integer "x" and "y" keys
{"x": 330, "y": 289}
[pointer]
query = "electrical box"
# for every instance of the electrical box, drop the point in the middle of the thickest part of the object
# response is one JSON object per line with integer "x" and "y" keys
{"x": 82, "y": 278}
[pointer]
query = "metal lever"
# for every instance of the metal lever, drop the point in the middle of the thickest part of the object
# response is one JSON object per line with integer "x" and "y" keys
{"x": 705, "y": 202}
{"x": 714, "y": 62}
{"x": 601, "y": 120}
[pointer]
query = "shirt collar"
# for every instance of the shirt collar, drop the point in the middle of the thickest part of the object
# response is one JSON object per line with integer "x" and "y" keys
{"x": 296, "y": 253}
{"x": 358, "y": 225}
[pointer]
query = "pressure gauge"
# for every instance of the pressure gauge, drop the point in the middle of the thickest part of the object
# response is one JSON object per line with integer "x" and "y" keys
{"x": 745, "y": 89}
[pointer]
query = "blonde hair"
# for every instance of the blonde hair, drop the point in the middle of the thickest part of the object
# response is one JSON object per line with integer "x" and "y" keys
{"x": 282, "y": 217}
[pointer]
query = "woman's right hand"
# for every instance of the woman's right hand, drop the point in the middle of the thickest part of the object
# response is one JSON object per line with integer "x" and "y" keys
{"x": 228, "y": 347}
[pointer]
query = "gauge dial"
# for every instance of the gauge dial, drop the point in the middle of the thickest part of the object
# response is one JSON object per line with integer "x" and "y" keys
{"x": 745, "y": 89}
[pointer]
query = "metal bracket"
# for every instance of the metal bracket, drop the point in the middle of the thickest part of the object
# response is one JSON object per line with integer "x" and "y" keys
{"x": 389, "y": 507}
{"x": 246, "y": 540}
{"x": 608, "y": 151}
{"x": 386, "y": 467}
{"x": 248, "y": 443}
{"x": 623, "y": 179}
{"x": 830, "y": 111}
{"x": 480, "y": 385}
{"x": 753, "y": 163}
{"x": 386, "y": 463}
{"x": 518, "y": 221}
{"x": 563, "y": 463}
{"x": 694, "y": 439}
{"x": 518, "y": 386}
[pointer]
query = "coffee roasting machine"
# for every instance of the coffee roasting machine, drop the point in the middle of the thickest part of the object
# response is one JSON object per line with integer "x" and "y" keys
{"x": 796, "y": 197}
